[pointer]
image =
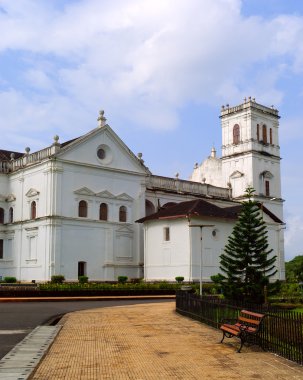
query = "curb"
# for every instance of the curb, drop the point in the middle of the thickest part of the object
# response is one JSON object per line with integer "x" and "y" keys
{"x": 83, "y": 298}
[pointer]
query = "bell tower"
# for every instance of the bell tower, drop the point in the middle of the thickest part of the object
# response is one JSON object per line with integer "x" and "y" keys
{"x": 251, "y": 152}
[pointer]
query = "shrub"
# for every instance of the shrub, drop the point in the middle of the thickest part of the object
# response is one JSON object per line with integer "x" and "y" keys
{"x": 179, "y": 279}
{"x": 136, "y": 280}
{"x": 122, "y": 279}
{"x": 10, "y": 280}
{"x": 83, "y": 279}
{"x": 57, "y": 279}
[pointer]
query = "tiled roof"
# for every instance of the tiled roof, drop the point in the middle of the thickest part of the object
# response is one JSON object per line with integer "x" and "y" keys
{"x": 200, "y": 207}
{"x": 194, "y": 208}
{"x": 69, "y": 142}
{"x": 5, "y": 155}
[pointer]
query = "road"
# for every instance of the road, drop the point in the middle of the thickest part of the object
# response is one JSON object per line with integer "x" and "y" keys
{"x": 17, "y": 319}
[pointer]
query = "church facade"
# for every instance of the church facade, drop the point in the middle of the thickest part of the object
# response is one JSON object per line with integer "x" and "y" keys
{"x": 72, "y": 207}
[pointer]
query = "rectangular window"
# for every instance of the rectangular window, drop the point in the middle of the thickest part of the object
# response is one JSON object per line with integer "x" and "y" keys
{"x": 32, "y": 247}
{"x": 1, "y": 248}
{"x": 267, "y": 192}
{"x": 166, "y": 234}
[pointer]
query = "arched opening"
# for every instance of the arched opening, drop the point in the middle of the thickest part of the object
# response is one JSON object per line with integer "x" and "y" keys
{"x": 11, "y": 215}
{"x": 265, "y": 179}
{"x": 1, "y": 215}
{"x": 149, "y": 208}
{"x": 236, "y": 134}
{"x": 81, "y": 268}
{"x": 267, "y": 188}
{"x": 270, "y": 136}
{"x": 33, "y": 210}
{"x": 103, "y": 211}
{"x": 82, "y": 212}
{"x": 169, "y": 204}
{"x": 122, "y": 214}
{"x": 264, "y": 134}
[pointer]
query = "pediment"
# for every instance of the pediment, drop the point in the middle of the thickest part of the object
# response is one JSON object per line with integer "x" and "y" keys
{"x": 105, "y": 194}
{"x": 125, "y": 230}
{"x": 103, "y": 149}
{"x": 32, "y": 193}
{"x": 84, "y": 191}
{"x": 236, "y": 174}
{"x": 10, "y": 198}
{"x": 266, "y": 174}
{"x": 124, "y": 197}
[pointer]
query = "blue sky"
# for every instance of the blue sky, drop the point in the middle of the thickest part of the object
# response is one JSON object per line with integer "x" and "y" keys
{"x": 161, "y": 69}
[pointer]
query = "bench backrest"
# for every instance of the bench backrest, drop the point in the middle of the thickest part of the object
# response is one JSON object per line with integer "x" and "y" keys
{"x": 250, "y": 318}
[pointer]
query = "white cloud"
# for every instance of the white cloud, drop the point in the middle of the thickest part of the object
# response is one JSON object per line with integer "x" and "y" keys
{"x": 144, "y": 61}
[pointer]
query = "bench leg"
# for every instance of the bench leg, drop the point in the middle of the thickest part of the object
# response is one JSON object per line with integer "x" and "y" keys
{"x": 241, "y": 345}
{"x": 222, "y": 337}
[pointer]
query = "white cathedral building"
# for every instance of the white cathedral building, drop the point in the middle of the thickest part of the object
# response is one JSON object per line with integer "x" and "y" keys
{"x": 89, "y": 206}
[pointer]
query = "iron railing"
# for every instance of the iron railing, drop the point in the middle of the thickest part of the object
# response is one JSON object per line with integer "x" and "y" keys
{"x": 281, "y": 332}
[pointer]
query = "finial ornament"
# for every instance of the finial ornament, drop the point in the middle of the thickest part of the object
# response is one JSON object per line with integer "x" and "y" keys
{"x": 27, "y": 150}
{"x": 213, "y": 152}
{"x": 101, "y": 119}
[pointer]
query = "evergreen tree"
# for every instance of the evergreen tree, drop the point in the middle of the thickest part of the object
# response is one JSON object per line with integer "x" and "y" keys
{"x": 246, "y": 264}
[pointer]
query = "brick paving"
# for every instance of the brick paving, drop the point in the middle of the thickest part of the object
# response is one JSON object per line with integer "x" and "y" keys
{"x": 152, "y": 342}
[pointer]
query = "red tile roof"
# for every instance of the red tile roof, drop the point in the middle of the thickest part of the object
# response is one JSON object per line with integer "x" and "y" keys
{"x": 194, "y": 208}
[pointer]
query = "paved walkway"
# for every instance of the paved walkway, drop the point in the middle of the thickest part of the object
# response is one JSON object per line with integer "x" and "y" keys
{"x": 144, "y": 342}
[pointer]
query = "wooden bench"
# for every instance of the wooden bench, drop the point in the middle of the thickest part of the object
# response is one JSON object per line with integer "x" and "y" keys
{"x": 245, "y": 327}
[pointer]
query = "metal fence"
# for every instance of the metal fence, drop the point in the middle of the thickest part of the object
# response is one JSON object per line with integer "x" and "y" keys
{"x": 281, "y": 332}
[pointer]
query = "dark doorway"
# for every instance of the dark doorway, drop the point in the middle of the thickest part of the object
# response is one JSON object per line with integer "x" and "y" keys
{"x": 81, "y": 268}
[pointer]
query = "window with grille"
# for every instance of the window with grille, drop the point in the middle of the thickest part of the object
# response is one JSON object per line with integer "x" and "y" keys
{"x": 236, "y": 134}
{"x": 1, "y": 215}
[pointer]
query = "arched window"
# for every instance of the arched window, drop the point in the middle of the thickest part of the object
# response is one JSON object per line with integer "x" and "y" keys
{"x": 103, "y": 211}
{"x": 270, "y": 135}
{"x": 258, "y": 132}
{"x": 264, "y": 134}
{"x": 122, "y": 214}
{"x": 149, "y": 208}
{"x": 1, "y": 215}
{"x": 33, "y": 210}
{"x": 11, "y": 215}
{"x": 82, "y": 212}
{"x": 236, "y": 134}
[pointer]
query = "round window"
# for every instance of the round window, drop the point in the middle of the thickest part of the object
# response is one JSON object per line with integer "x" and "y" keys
{"x": 101, "y": 153}
{"x": 104, "y": 154}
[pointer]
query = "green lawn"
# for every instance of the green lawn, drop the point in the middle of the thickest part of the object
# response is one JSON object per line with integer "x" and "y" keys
{"x": 299, "y": 309}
